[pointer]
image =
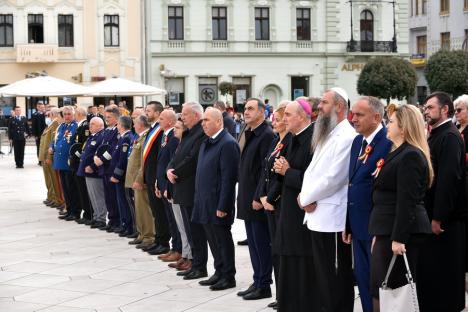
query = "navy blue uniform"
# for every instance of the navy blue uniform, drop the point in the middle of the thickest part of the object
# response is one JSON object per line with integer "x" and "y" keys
{"x": 18, "y": 130}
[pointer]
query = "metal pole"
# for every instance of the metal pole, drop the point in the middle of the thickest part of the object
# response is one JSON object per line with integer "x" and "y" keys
{"x": 351, "y": 6}
{"x": 394, "y": 29}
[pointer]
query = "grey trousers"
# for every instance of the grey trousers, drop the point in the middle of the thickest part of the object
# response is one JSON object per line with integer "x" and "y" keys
{"x": 186, "y": 250}
{"x": 95, "y": 188}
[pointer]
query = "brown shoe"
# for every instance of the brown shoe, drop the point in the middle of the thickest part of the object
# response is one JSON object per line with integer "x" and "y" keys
{"x": 174, "y": 265}
{"x": 163, "y": 256}
{"x": 175, "y": 256}
{"x": 187, "y": 265}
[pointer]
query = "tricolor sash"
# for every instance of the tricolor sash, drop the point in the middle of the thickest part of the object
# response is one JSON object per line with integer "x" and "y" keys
{"x": 149, "y": 142}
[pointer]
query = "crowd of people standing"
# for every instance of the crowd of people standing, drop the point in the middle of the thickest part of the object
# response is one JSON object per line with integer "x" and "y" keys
{"x": 329, "y": 192}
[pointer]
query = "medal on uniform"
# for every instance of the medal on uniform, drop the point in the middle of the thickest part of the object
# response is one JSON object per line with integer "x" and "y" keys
{"x": 277, "y": 150}
{"x": 379, "y": 165}
{"x": 93, "y": 143}
{"x": 166, "y": 139}
{"x": 366, "y": 154}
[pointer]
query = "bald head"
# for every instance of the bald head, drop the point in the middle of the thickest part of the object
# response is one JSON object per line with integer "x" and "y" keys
{"x": 167, "y": 119}
{"x": 80, "y": 113}
{"x": 295, "y": 117}
{"x": 212, "y": 121}
{"x": 96, "y": 124}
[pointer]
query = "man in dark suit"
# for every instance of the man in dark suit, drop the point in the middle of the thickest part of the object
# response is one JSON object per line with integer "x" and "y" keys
{"x": 292, "y": 241}
{"x": 215, "y": 189}
{"x": 258, "y": 137}
{"x": 181, "y": 173}
{"x": 102, "y": 161}
{"x": 38, "y": 124}
{"x": 169, "y": 143}
{"x": 367, "y": 149}
{"x": 150, "y": 155}
{"x": 441, "y": 271}
{"x": 229, "y": 123}
{"x": 81, "y": 135}
{"x": 18, "y": 131}
{"x": 93, "y": 113}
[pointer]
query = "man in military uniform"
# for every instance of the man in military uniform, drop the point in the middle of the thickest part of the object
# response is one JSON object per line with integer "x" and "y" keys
{"x": 81, "y": 135}
{"x": 54, "y": 192}
{"x": 88, "y": 170}
{"x": 38, "y": 124}
{"x": 134, "y": 179}
{"x": 119, "y": 167}
{"x": 18, "y": 131}
{"x": 61, "y": 149}
{"x": 102, "y": 160}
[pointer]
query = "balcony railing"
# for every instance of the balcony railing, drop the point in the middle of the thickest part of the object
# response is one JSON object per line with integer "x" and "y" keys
{"x": 371, "y": 46}
{"x": 36, "y": 53}
{"x": 219, "y": 44}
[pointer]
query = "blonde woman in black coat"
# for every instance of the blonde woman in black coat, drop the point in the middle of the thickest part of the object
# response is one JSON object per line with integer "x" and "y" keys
{"x": 399, "y": 222}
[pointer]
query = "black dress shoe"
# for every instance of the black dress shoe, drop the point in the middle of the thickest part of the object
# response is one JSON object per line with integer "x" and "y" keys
{"x": 80, "y": 221}
{"x": 159, "y": 250}
{"x": 63, "y": 216}
{"x": 98, "y": 225}
{"x": 89, "y": 222}
{"x": 196, "y": 274}
{"x": 117, "y": 229}
{"x": 133, "y": 235}
{"x": 109, "y": 228}
{"x": 243, "y": 242}
{"x": 149, "y": 247}
{"x": 71, "y": 218}
{"x": 104, "y": 226}
{"x": 123, "y": 233}
{"x": 211, "y": 281}
{"x": 247, "y": 291}
{"x": 258, "y": 293}
{"x": 47, "y": 202}
{"x": 184, "y": 273}
{"x": 223, "y": 284}
{"x": 63, "y": 213}
{"x": 273, "y": 305}
{"x": 136, "y": 241}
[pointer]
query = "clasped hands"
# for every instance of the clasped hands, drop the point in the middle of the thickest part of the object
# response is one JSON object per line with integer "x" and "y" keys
{"x": 281, "y": 165}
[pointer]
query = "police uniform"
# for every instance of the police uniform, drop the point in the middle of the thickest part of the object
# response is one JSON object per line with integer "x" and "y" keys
{"x": 81, "y": 135}
{"x": 18, "y": 130}
{"x": 119, "y": 166}
{"x": 38, "y": 125}
{"x": 104, "y": 153}
{"x": 61, "y": 147}
{"x": 94, "y": 182}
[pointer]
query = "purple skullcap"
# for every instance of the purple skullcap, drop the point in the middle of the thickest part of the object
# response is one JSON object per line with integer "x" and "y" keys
{"x": 305, "y": 106}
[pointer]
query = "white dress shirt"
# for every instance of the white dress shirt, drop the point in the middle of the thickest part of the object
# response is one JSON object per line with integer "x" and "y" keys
{"x": 326, "y": 181}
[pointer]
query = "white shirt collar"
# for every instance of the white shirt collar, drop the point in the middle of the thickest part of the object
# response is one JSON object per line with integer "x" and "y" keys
{"x": 373, "y": 134}
{"x": 303, "y": 129}
{"x": 216, "y": 134}
{"x": 81, "y": 121}
{"x": 168, "y": 130}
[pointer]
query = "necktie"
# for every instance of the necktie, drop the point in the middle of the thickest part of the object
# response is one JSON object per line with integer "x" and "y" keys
{"x": 363, "y": 146}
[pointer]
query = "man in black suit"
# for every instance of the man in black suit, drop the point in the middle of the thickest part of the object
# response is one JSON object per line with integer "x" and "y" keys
{"x": 441, "y": 271}
{"x": 181, "y": 173}
{"x": 18, "y": 131}
{"x": 93, "y": 112}
{"x": 169, "y": 143}
{"x": 151, "y": 148}
{"x": 81, "y": 135}
{"x": 258, "y": 137}
{"x": 38, "y": 124}
{"x": 228, "y": 122}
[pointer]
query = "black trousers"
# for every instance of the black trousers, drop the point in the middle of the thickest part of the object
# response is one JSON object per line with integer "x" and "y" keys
{"x": 38, "y": 143}
{"x": 333, "y": 272}
{"x": 18, "y": 148}
{"x": 111, "y": 201}
{"x": 175, "y": 234}
{"x": 222, "y": 248}
{"x": 272, "y": 218}
{"x": 163, "y": 236}
{"x": 83, "y": 197}
{"x": 69, "y": 192}
{"x": 197, "y": 239}
{"x": 131, "y": 204}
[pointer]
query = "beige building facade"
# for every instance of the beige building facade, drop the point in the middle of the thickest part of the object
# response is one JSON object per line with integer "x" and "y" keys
{"x": 82, "y": 41}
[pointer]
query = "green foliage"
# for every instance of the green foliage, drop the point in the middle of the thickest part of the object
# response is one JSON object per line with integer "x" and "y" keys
{"x": 226, "y": 88}
{"x": 387, "y": 77}
{"x": 448, "y": 71}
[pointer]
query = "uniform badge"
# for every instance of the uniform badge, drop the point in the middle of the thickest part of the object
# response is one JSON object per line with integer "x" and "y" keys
{"x": 125, "y": 148}
{"x": 86, "y": 133}
{"x": 93, "y": 143}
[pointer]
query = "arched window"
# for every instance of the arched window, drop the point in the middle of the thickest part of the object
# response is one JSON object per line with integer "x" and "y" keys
{"x": 367, "y": 31}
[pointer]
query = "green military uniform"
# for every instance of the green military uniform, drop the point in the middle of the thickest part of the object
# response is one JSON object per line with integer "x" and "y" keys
{"x": 143, "y": 216}
{"x": 54, "y": 191}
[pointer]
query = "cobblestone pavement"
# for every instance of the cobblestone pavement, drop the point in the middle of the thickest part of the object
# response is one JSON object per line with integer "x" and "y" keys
{"x": 53, "y": 265}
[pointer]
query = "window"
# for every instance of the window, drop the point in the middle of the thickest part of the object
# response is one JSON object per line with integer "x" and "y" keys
{"x": 176, "y": 23}
{"x": 35, "y": 28}
{"x": 303, "y": 24}
{"x": 299, "y": 87}
{"x": 175, "y": 90}
{"x": 65, "y": 30}
{"x": 421, "y": 45}
{"x": 367, "y": 31}
{"x": 424, "y": 7}
{"x": 219, "y": 23}
{"x": 207, "y": 90}
{"x": 444, "y": 6}
{"x": 445, "y": 41}
{"x": 6, "y": 30}
{"x": 417, "y": 7}
{"x": 465, "y": 6}
{"x": 111, "y": 30}
{"x": 262, "y": 24}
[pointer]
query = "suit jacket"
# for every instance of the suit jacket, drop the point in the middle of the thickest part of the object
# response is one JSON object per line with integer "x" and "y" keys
{"x": 87, "y": 157}
{"x": 150, "y": 154}
{"x": 326, "y": 181}
{"x": 120, "y": 156}
{"x": 47, "y": 137}
{"x": 251, "y": 166}
{"x": 18, "y": 129}
{"x": 134, "y": 173}
{"x": 229, "y": 124}
{"x": 81, "y": 135}
{"x": 184, "y": 164}
{"x": 63, "y": 142}
{"x": 361, "y": 183}
{"x": 216, "y": 178}
{"x": 445, "y": 200}
{"x": 38, "y": 124}
{"x": 167, "y": 149}
{"x": 398, "y": 195}
{"x": 292, "y": 236}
